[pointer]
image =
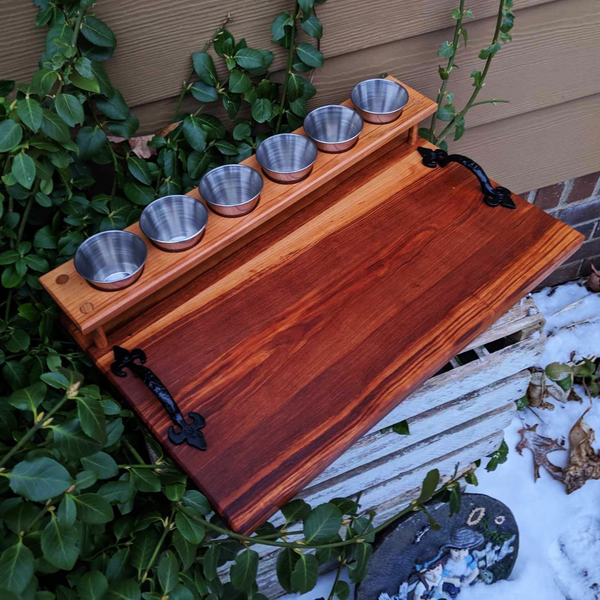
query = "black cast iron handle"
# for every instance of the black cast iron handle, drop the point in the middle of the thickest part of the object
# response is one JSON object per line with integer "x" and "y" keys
{"x": 187, "y": 432}
{"x": 492, "y": 196}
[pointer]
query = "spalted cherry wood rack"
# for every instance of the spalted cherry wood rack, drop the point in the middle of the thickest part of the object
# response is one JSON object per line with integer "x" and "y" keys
{"x": 292, "y": 331}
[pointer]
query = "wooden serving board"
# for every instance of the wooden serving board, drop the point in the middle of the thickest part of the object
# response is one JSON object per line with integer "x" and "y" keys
{"x": 296, "y": 345}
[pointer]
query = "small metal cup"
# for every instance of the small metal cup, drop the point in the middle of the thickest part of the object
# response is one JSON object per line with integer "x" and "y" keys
{"x": 287, "y": 157}
{"x": 333, "y": 128}
{"x": 232, "y": 190}
{"x": 111, "y": 260}
{"x": 379, "y": 100}
{"x": 174, "y": 223}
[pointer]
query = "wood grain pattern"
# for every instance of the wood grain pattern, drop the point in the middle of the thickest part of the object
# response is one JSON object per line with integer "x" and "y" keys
{"x": 89, "y": 308}
{"x": 156, "y": 38}
{"x": 338, "y": 315}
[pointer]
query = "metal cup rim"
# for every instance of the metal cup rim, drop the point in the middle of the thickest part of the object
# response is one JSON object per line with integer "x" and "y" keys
{"x": 362, "y": 124}
{"x": 164, "y": 198}
{"x": 306, "y": 137}
{"x": 102, "y": 233}
{"x": 232, "y": 167}
{"x": 374, "y": 112}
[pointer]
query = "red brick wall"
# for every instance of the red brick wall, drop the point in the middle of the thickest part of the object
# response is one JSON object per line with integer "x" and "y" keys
{"x": 577, "y": 203}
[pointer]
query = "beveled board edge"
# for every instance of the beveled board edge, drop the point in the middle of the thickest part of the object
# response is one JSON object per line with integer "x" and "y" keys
{"x": 88, "y": 308}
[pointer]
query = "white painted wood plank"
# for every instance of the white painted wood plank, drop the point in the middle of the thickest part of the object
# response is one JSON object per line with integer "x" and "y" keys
{"x": 427, "y": 424}
{"x": 466, "y": 379}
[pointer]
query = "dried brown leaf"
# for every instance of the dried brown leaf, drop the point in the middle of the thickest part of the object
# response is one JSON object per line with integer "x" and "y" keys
{"x": 584, "y": 462}
{"x": 166, "y": 130}
{"x": 140, "y": 147}
{"x": 593, "y": 281}
{"x": 540, "y": 447}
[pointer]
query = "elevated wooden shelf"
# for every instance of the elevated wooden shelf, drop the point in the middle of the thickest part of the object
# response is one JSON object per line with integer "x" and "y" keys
{"x": 89, "y": 309}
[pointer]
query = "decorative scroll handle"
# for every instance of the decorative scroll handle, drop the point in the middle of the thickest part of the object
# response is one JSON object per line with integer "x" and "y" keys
{"x": 187, "y": 432}
{"x": 492, "y": 196}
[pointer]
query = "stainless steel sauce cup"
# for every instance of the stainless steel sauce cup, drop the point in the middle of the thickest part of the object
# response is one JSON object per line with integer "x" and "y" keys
{"x": 287, "y": 157}
{"x": 174, "y": 223}
{"x": 379, "y": 100}
{"x": 111, "y": 260}
{"x": 333, "y": 128}
{"x": 231, "y": 190}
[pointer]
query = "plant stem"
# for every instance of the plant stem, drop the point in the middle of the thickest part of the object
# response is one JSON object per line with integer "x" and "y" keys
{"x": 337, "y": 575}
{"x": 448, "y": 129}
{"x": 77, "y": 27}
{"x": 305, "y": 546}
{"x": 288, "y": 68}
{"x": 440, "y": 97}
{"x": 186, "y": 81}
{"x": 32, "y": 432}
{"x": 134, "y": 452}
{"x": 165, "y": 532}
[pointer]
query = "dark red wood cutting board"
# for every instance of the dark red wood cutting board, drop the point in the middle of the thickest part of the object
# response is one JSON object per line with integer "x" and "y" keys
{"x": 302, "y": 341}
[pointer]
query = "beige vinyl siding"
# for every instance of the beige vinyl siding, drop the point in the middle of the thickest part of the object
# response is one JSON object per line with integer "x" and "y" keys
{"x": 551, "y": 64}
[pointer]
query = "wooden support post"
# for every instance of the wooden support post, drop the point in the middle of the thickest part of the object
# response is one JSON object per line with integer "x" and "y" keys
{"x": 413, "y": 135}
{"x": 100, "y": 338}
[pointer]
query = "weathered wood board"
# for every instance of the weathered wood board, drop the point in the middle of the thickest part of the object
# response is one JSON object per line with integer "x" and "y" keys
{"x": 332, "y": 318}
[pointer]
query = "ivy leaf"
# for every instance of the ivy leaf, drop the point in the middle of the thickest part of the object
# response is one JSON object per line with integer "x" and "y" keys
{"x": 447, "y": 50}
{"x": 286, "y": 561}
{"x": 295, "y": 87}
{"x": 102, "y": 78}
{"x": 323, "y": 524}
{"x": 197, "y": 164}
{"x": 211, "y": 561}
{"x": 104, "y": 465}
{"x": 10, "y": 135}
{"x": 30, "y": 112}
{"x": 138, "y": 193}
{"x": 93, "y": 508}
{"x": 16, "y": 564}
{"x": 90, "y": 140}
{"x": 226, "y": 148}
{"x": 261, "y": 110}
{"x": 401, "y": 428}
{"x": 14, "y": 372}
{"x": 83, "y": 66}
{"x": 139, "y": 169}
{"x": 43, "y": 80}
{"x": 145, "y": 481}
{"x": 92, "y": 586}
{"x": 60, "y": 546}
{"x": 239, "y": 82}
{"x": 194, "y": 134}
{"x": 212, "y": 126}
{"x": 69, "y": 109}
{"x": 191, "y": 530}
{"x": 23, "y": 170}
{"x": 89, "y": 85}
{"x": 39, "y": 479}
{"x": 203, "y": 92}
{"x": 67, "y": 512}
{"x": 296, "y": 510}
{"x": 312, "y": 26}
{"x": 143, "y": 548}
{"x": 305, "y": 574}
{"x": 306, "y": 5}
{"x": 98, "y": 32}
{"x": 205, "y": 68}
{"x": 6, "y": 87}
{"x": 243, "y": 571}
{"x": 168, "y": 571}
{"x": 55, "y": 380}
{"x": 28, "y": 398}
{"x": 430, "y": 484}
{"x": 54, "y": 127}
{"x": 37, "y": 263}
{"x": 490, "y": 51}
{"x": 248, "y": 58}
{"x": 113, "y": 106}
{"x": 186, "y": 551}
{"x": 358, "y": 569}
{"x": 196, "y": 502}
{"x": 341, "y": 590}
{"x": 241, "y": 131}
{"x": 309, "y": 55}
{"x": 278, "y": 28}
{"x": 125, "y": 128}
{"x": 71, "y": 442}
{"x": 127, "y": 589}
{"x": 91, "y": 417}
